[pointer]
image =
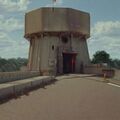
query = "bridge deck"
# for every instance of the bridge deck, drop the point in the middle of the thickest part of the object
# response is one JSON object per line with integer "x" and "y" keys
{"x": 70, "y": 98}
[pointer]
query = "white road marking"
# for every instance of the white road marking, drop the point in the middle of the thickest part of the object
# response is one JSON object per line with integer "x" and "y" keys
{"x": 113, "y": 85}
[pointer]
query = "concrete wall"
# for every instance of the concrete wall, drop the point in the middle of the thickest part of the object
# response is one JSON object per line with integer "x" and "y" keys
{"x": 117, "y": 74}
{"x": 42, "y": 57}
{"x": 44, "y": 28}
{"x": 49, "y": 54}
{"x": 57, "y": 20}
{"x": 91, "y": 69}
{"x": 46, "y": 53}
{"x": 79, "y": 45}
{"x": 13, "y": 76}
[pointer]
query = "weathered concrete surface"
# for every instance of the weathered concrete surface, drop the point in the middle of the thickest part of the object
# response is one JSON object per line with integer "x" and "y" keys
{"x": 76, "y": 98}
{"x": 116, "y": 78}
{"x": 18, "y": 75}
{"x": 11, "y": 88}
{"x": 46, "y": 29}
{"x": 117, "y": 74}
{"x": 58, "y": 20}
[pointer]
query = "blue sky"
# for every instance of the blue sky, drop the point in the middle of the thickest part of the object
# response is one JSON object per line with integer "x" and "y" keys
{"x": 105, "y": 24}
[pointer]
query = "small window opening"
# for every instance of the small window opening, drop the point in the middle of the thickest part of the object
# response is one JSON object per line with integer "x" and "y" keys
{"x": 64, "y": 39}
{"x": 53, "y": 47}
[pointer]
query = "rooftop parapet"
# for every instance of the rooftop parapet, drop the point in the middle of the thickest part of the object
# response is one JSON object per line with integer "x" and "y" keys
{"x": 55, "y": 20}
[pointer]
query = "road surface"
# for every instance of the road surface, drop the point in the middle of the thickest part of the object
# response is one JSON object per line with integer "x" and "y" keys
{"x": 75, "y": 98}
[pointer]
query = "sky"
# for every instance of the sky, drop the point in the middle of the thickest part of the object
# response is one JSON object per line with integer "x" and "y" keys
{"x": 105, "y": 24}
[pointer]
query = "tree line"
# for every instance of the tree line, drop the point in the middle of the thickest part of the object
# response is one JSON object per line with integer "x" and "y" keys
{"x": 12, "y": 64}
{"x": 104, "y": 57}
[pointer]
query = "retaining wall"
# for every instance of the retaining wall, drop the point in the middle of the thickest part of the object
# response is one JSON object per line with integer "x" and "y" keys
{"x": 19, "y": 75}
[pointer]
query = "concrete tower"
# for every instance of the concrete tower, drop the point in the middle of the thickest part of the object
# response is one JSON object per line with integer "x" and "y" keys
{"x": 57, "y": 39}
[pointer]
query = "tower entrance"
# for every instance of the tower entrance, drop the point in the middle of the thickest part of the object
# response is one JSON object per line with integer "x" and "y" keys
{"x": 69, "y": 61}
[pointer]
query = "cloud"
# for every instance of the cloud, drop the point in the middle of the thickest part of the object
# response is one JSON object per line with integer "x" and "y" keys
{"x": 9, "y": 47}
{"x": 2, "y": 35}
{"x": 108, "y": 28}
{"x": 105, "y": 35}
{"x": 12, "y": 43}
{"x": 10, "y": 24}
{"x": 14, "y": 5}
{"x": 56, "y": 3}
{"x": 4, "y": 41}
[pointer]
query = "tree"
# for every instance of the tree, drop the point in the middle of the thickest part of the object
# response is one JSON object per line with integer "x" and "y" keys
{"x": 101, "y": 57}
{"x": 12, "y": 64}
{"x": 115, "y": 63}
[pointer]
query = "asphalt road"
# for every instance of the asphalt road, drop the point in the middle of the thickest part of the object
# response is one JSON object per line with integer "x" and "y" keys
{"x": 68, "y": 99}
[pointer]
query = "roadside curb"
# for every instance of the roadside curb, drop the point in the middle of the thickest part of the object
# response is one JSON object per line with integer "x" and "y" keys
{"x": 16, "y": 88}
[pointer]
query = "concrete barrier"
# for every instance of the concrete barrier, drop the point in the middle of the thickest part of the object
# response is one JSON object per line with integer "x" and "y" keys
{"x": 94, "y": 69}
{"x": 6, "y": 90}
{"x": 19, "y": 75}
{"x": 16, "y": 87}
{"x": 108, "y": 73}
{"x": 117, "y": 74}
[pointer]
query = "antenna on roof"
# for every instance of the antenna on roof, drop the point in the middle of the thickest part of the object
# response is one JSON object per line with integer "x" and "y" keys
{"x": 54, "y": 1}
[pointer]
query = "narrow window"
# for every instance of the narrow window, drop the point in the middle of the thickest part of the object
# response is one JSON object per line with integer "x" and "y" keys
{"x": 52, "y": 47}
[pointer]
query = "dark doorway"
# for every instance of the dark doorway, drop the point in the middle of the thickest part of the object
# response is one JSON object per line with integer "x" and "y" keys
{"x": 69, "y": 60}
